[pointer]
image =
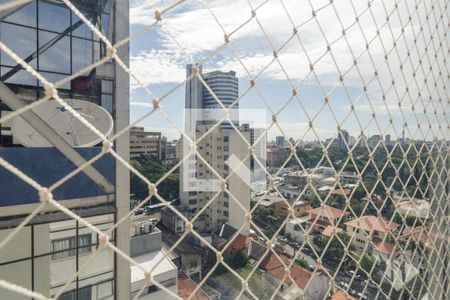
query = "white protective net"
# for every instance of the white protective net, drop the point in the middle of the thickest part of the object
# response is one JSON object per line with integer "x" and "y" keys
{"x": 341, "y": 216}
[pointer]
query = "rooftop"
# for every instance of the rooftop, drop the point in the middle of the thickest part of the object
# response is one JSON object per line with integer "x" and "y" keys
{"x": 329, "y": 230}
{"x": 148, "y": 261}
{"x": 186, "y": 287}
{"x": 275, "y": 267}
{"x": 328, "y": 212}
{"x": 372, "y": 223}
{"x": 341, "y": 295}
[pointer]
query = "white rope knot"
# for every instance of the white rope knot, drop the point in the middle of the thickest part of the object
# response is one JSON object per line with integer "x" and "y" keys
{"x": 188, "y": 226}
{"x": 152, "y": 190}
{"x": 223, "y": 185}
{"x": 49, "y": 90}
{"x": 111, "y": 51}
{"x": 244, "y": 284}
{"x": 103, "y": 240}
{"x": 248, "y": 217}
{"x": 106, "y": 146}
{"x": 45, "y": 195}
{"x": 155, "y": 103}
{"x": 148, "y": 277}
{"x": 219, "y": 257}
{"x": 158, "y": 16}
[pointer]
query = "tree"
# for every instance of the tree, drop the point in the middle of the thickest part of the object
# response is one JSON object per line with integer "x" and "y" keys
{"x": 153, "y": 170}
{"x": 302, "y": 262}
{"x": 368, "y": 262}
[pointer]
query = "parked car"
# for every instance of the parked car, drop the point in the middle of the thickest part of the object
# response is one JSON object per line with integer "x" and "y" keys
{"x": 362, "y": 296}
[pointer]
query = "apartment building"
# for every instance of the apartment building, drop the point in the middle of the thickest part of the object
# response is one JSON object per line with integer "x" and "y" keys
{"x": 373, "y": 232}
{"x": 145, "y": 142}
{"x": 221, "y": 148}
{"x": 52, "y": 247}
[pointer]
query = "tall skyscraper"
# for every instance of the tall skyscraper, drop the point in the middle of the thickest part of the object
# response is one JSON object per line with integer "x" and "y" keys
{"x": 222, "y": 148}
{"x": 279, "y": 141}
{"x": 343, "y": 139}
{"x": 52, "y": 247}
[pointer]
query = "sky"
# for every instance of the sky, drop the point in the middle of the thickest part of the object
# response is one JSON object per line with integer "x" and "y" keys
{"x": 193, "y": 31}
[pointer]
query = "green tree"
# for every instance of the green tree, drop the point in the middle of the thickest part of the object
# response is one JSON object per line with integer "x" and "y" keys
{"x": 302, "y": 262}
{"x": 153, "y": 170}
{"x": 369, "y": 261}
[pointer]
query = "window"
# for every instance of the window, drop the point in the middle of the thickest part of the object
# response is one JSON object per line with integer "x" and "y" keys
{"x": 105, "y": 290}
{"x": 83, "y": 294}
{"x": 70, "y": 244}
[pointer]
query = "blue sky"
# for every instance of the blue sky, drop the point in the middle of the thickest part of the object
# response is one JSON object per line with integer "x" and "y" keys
{"x": 191, "y": 33}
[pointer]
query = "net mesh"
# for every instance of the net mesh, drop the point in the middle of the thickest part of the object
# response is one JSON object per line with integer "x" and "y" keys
{"x": 378, "y": 66}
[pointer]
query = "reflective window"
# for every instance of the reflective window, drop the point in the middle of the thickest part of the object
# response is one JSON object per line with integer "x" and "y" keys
{"x": 54, "y": 78}
{"x": 53, "y": 17}
{"x": 107, "y": 86}
{"x": 82, "y": 53}
{"x": 83, "y": 30}
{"x": 23, "y": 16}
{"x": 21, "y": 77}
{"x": 57, "y": 57}
{"x": 107, "y": 102}
{"x": 105, "y": 24}
{"x": 21, "y": 40}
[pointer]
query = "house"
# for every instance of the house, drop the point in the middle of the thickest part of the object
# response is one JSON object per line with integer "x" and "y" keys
{"x": 295, "y": 228}
{"x": 301, "y": 284}
{"x": 289, "y": 191}
{"x": 300, "y": 208}
{"x": 189, "y": 256}
{"x": 341, "y": 295}
{"x": 330, "y": 230}
{"x": 226, "y": 237}
{"x": 378, "y": 229}
{"x": 186, "y": 287}
{"x": 324, "y": 216}
{"x": 419, "y": 208}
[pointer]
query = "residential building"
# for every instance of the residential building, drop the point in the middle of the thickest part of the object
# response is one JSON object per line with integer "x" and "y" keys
{"x": 171, "y": 220}
{"x": 279, "y": 141}
{"x": 387, "y": 140}
{"x": 341, "y": 295}
{"x": 289, "y": 191}
{"x": 418, "y": 208}
{"x": 374, "y": 140}
{"x": 258, "y": 140}
{"x": 146, "y": 250}
{"x": 144, "y": 142}
{"x": 375, "y": 233}
{"x": 170, "y": 156}
{"x": 221, "y": 149}
{"x": 300, "y": 208}
{"x": 296, "y": 227}
{"x": 52, "y": 247}
{"x": 277, "y": 156}
{"x": 188, "y": 255}
{"x": 324, "y": 216}
{"x": 187, "y": 287}
{"x": 343, "y": 139}
{"x": 302, "y": 283}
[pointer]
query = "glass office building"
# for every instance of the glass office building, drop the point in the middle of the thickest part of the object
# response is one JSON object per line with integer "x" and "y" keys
{"x": 52, "y": 248}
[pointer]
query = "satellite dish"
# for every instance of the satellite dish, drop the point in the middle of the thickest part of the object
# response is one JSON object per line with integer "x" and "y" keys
{"x": 65, "y": 124}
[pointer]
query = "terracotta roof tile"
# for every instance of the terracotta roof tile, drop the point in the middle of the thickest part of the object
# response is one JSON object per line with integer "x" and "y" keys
{"x": 341, "y": 295}
{"x": 372, "y": 223}
{"x": 329, "y": 212}
{"x": 186, "y": 287}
